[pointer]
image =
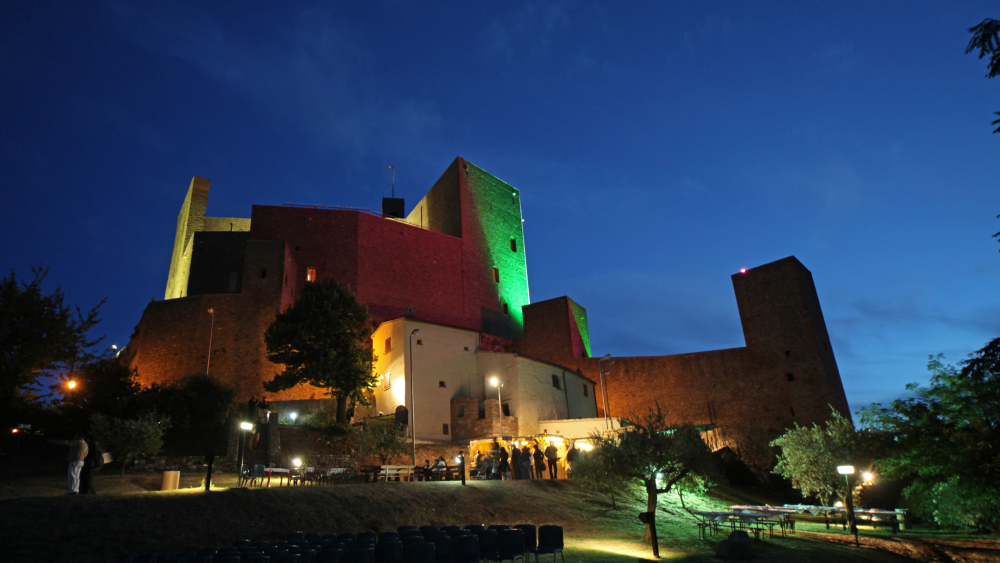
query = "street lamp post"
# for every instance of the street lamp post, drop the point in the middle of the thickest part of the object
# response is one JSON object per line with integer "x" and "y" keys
{"x": 498, "y": 384}
{"x": 607, "y": 361}
{"x": 847, "y": 471}
{"x": 413, "y": 418}
{"x": 211, "y": 330}
{"x": 244, "y": 428}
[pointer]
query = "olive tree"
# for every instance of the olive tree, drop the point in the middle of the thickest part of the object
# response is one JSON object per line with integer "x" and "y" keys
{"x": 655, "y": 455}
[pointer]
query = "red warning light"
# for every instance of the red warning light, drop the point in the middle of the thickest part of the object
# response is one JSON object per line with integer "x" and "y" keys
{"x": 743, "y": 270}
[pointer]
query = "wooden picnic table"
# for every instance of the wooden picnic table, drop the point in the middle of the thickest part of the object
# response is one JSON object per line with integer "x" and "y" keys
{"x": 282, "y": 472}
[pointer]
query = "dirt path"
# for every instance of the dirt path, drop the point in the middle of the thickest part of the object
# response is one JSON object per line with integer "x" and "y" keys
{"x": 924, "y": 549}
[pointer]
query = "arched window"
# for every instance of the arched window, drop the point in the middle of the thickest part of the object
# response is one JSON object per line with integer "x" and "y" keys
{"x": 310, "y": 274}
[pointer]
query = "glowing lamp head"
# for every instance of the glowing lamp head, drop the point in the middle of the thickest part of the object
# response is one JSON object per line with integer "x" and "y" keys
{"x": 114, "y": 347}
{"x": 743, "y": 270}
{"x": 14, "y": 430}
{"x": 71, "y": 384}
{"x": 839, "y": 504}
{"x": 867, "y": 476}
{"x": 494, "y": 381}
{"x": 293, "y": 416}
{"x": 297, "y": 462}
{"x": 845, "y": 469}
{"x": 211, "y": 311}
{"x": 458, "y": 460}
{"x": 246, "y": 426}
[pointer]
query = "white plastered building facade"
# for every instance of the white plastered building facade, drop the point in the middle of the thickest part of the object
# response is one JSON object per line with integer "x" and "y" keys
{"x": 447, "y": 363}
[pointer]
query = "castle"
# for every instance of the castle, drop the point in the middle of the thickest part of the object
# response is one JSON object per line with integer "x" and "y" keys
{"x": 448, "y": 287}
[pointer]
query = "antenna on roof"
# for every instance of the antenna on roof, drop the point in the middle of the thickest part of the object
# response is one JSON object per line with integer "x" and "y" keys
{"x": 393, "y": 181}
{"x": 393, "y": 206}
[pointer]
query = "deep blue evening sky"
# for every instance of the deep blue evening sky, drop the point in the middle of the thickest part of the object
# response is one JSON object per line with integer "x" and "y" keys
{"x": 658, "y": 149}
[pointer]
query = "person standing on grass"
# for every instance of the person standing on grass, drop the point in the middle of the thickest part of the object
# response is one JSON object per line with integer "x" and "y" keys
{"x": 92, "y": 465}
{"x": 552, "y": 456}
{"x": 504, "y": 464}
{"x": 539, "y": 462}
{"x": 572, "y": 454}
{"x": 460, "y": 458}
{"x": 77, "y": 453}
{"x": 526, "y": 462}
{"x": 515, "y": 461}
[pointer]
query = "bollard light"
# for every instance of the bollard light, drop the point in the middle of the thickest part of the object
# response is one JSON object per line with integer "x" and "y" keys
{"x": 293, "y": 416}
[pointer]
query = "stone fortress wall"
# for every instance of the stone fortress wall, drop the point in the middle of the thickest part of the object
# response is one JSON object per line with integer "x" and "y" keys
{"x": 458, "y": 260}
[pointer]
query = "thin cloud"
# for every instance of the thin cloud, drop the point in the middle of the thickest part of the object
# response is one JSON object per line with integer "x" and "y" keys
{"x": 315, "y": 72}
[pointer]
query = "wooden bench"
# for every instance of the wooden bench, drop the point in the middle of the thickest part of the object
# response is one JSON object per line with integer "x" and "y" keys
{"x": 395, "y": 472}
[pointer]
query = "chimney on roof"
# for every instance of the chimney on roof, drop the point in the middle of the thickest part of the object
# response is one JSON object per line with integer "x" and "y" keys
{"x": 392, "y": 206}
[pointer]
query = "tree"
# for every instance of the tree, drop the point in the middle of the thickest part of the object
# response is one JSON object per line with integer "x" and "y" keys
{"x": 382, "y": 442}
{"x": 322, "y": 340}
{"x": 655, "y": 455}
{"x": 196, "y": 403}
{"x": 39, "y": 335}
{"x": 592, "y": 472}
{"x": 108, "y": 387}
{"x": 946, "y": 438}
{"x": 986, "y": 39}
{"x": 128, "y": 439}
{"x": 809, "y": 456}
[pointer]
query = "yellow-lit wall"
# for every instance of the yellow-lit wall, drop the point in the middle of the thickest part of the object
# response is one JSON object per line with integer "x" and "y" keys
{"x": 450, "y": 356}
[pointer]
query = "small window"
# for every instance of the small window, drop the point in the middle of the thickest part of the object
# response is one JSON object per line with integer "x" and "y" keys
{"x": 506, "y": 310}
{"x": 791, "y": 377}
{"x": 263, "y": 274}
{"x": 792, "y": 409}
{"x": 555, "y": 381}
{"x": 586, "y": 392}
{"x": 310, "y": 274}
{"x": 506, "y": 409}
{"x": 496, "y": 275}
{"x": 441, "y": 384}
{"x": 420, "y": 342}
{"x": 513, "y": 244}
{"x": 444, "y": 428}
{"x": 461, "y": 411}
{"x": 388, "y": 345}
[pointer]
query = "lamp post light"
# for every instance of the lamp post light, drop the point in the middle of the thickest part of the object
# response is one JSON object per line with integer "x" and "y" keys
{"x": 413, "y": 417}
{"x": 606, "y": 361}
{"x": 293, "y": 417}
{"x": 847, "y": 471}
{"x": 17, "y": 448}
{"x": 211, "y": 330}
{"x": 498, "y": 384}
{"x": 245, "y": 427}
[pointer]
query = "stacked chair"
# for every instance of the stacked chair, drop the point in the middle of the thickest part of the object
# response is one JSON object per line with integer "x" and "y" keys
{"x": 474, "y": 543}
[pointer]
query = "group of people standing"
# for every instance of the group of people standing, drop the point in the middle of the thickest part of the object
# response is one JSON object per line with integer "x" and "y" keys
{"x": 523, "y": 463}
{"x": 86, "y": 458}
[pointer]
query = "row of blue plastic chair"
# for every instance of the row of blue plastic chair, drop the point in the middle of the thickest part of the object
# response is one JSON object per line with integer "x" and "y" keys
{"x": 408, "y": 544}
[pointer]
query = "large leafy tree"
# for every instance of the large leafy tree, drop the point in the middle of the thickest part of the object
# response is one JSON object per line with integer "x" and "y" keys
{"x": 986, "y": 40}
{"x": 946, "y": 439}
{"x": 128, "y": 439}
{"x": 40, "y": 335}
{"x": 810, "y": 455}
{"x": 654, "y": 455}
{"x": 322, "y": 340}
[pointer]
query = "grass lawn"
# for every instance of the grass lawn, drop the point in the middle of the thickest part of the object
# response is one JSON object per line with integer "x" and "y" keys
{"x": 42, "y": 523}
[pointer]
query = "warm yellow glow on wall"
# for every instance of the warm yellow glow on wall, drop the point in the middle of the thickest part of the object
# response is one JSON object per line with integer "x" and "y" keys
{"x": 399, "y": 389}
